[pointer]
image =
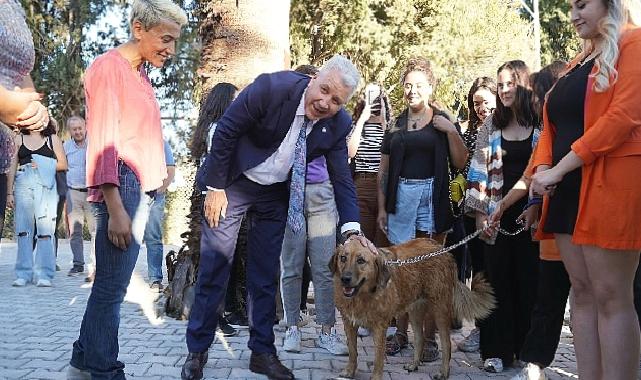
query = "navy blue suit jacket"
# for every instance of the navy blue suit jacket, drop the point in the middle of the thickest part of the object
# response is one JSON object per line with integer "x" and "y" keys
{"x": 256, "y": 123}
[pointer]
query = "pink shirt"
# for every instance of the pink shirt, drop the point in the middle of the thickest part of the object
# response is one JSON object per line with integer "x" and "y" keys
{"x": 123, "y": 122}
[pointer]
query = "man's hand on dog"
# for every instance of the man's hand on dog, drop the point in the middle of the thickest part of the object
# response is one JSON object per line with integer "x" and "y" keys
{"x": 364, "y": 242}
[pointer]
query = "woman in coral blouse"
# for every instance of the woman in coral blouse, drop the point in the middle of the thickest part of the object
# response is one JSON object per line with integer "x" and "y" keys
{"x": 125, "y": 166}
{"x": 587, "y": 165}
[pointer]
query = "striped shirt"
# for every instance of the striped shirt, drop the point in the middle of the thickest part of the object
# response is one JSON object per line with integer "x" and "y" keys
{"x": 77, "y": 162}
{"x": 368, "y": 156}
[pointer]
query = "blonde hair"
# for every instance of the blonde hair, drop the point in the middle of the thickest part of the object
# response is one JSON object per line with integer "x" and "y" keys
{"x": 152, "y": 12}
{"x": 620, "y": 13}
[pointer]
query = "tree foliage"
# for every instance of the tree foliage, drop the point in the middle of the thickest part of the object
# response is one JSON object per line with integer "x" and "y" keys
{"x": 558, "y": 38}
{"x": 67, "y": 39}
{"x": 463, "y": 39}
{"x": 59, "y": 29}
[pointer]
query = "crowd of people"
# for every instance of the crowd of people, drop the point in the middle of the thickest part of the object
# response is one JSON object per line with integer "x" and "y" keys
{"x": 285, "y": 173}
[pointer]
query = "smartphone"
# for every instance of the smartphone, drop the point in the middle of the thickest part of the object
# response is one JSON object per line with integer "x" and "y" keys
{"x": 371, "y": 97}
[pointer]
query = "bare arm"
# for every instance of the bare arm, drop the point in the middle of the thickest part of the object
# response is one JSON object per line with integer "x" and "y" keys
{"x": 458, "y": 150}
{"x": 382, "y": 178}
{"x": 61, "y": 157}
{"x": 355, "y": 138}
{"x": 119, "y": 225}
{"x": 171, "y": 173}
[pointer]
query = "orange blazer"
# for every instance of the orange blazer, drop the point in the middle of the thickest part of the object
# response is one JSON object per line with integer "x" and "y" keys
{"x": 609, "y": 213}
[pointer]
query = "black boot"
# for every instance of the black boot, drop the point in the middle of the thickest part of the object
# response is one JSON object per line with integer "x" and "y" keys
{"x": 269, "y": 365}
{"x": 193, "y": 367}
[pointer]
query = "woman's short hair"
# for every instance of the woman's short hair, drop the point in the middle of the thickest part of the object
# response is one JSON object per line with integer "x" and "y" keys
{"x": 620, "y": 13}
{"x": 152, "y": 12}
{"x": 349, "y": 73}
{"x": 523, "y": 107}
{"x": 419, "y": 64}
{"x": 486, "y": 83}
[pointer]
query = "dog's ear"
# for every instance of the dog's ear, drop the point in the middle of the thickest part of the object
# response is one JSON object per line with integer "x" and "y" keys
{"x": 383, "y": 272}
{"x": 333, "y": 262}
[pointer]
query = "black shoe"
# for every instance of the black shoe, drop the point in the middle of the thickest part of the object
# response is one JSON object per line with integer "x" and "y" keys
{"x": 76, "y": 270}
{"x": 193, "y": 367}
{"x": 157, "y": 286}
{"x": 225, "y": 328}
{"x": 269, "y": 365}
{"x": 237, "y": 320}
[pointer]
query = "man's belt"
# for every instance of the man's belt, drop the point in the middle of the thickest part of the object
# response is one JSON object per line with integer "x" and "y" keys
{"x": 82, "y": 189}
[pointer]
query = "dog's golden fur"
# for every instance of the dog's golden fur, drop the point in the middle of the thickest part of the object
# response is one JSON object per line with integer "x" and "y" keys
{"x": 369, "y": 293}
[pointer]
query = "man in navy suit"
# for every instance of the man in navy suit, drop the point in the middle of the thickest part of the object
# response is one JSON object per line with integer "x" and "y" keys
{"x": 275, "y": 123}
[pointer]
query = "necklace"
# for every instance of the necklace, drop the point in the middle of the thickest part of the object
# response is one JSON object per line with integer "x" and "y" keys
{"x": 413, "y": 123}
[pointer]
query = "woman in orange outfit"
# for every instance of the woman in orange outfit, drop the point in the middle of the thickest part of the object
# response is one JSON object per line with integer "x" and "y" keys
{"x": 587, "y": 163}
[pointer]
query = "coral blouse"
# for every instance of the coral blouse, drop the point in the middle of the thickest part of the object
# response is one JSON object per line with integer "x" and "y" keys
{"x": 123, "y": 123}
{"x": 609, "y": 202}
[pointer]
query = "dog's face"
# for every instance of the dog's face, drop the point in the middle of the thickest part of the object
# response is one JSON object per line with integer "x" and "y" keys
{"x": 356, "y": 267}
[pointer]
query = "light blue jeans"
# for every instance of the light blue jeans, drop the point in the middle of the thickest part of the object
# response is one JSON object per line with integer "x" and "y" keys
{"x": 96, "y": 349}
{"x": 153, "y": 238}
{"x": 317, "y": 240}
{"x": 36, "y": 200}
{"x": 414, "y": 210}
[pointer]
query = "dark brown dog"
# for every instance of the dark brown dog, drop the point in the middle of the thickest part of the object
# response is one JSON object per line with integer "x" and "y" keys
{"x": 369, "y": 293}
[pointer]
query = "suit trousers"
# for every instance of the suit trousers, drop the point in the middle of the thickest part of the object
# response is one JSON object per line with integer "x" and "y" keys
{"x": 266, "y": 206}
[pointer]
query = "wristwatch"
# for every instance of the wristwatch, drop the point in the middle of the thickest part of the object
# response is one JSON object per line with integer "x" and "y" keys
{"x": 346, "y": 235}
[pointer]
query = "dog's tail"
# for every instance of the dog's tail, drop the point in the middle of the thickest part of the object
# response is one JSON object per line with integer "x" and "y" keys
{"x": 476, "y": 303}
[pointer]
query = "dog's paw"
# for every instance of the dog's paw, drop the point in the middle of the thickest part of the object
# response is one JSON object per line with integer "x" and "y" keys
{"x": 439, "y": 376}
{"x": 347, "y": 373}
{"x": 411, "y": 367}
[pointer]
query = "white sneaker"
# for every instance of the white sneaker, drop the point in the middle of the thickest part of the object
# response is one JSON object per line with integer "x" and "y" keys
{"x": 493, "y": 365}
{"x": 19, "y": 282}
{"x": 291, "y": 343}
{"x": 531, "y": 371}
{"x": 332, "y": 343}
{"x": 362, "y": 331}
{"x": 74, "y": 373}
{"x": 43, "y": 283}
{"x": 471, "y": 343}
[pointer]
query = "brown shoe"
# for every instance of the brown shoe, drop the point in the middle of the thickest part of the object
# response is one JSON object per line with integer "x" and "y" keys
{"x": 193, "y": 367}
{"x": 268, "y": 364}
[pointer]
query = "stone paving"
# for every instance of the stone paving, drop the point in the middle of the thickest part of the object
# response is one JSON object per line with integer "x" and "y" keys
{"x": 39, "y": 325}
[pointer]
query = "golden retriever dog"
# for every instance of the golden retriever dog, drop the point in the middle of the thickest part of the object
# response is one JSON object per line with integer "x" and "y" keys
{"x": 370, "y": 293}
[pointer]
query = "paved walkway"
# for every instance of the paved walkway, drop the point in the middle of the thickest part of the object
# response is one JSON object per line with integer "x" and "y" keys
{"x": 38, "y": 326}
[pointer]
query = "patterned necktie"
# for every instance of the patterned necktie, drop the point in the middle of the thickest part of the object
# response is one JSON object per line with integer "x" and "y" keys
{"x": 295, "y": 216}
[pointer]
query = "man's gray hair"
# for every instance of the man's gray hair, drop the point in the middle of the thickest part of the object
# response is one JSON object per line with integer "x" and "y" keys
{"x": 74, "y": 118}
{"x": 349, "y": 73}
{"x": 152, "y": 12}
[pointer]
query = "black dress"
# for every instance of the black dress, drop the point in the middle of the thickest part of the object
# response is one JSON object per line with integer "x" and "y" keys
{"x": 565, "y": 111}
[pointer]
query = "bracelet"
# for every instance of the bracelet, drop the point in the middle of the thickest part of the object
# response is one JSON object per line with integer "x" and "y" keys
{"x": 532, "y": 202}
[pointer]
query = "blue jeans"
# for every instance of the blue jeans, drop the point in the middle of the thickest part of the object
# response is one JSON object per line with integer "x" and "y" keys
{"x": 36, "y": 200}
{"x": 153, "y": 238}
{"x": 317, "y": 240}
{"x": 96, "y": 349}
{"x": 414, "y": 210}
